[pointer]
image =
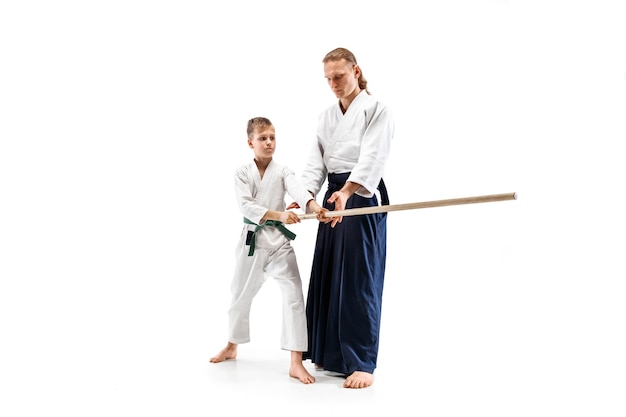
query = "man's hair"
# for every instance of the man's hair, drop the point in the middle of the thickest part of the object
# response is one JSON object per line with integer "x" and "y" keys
{"x": 338, "y": 54}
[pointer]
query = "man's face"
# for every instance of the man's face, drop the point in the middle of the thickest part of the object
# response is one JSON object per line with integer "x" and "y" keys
{"x": 342, "y": 77}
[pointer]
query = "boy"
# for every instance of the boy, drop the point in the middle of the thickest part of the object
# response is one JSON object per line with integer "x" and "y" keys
{"x": 264, "y": 247}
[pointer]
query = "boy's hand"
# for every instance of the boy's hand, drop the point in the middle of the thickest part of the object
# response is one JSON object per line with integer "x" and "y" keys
{"x": 289, "y": 217}
{"x": 319, "y": 211}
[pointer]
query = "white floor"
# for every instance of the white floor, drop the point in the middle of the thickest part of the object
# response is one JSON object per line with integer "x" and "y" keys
{"x": 486, "y": 331}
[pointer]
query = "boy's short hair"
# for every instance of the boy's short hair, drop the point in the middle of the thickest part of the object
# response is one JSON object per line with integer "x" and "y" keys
{"x": 257, "y": 122}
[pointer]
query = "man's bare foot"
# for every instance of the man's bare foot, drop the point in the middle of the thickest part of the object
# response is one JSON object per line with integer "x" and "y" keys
{"x": 297, "y": 369}
{"x": 359, "y": 379}
{"x": 229, "y": 352}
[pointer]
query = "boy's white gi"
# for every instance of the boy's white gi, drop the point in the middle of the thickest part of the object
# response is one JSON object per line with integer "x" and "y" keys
{"x": 273, "y": 255}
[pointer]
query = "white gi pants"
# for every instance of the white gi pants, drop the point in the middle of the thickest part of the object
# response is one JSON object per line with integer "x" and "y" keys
{"x": 273, "y": 256}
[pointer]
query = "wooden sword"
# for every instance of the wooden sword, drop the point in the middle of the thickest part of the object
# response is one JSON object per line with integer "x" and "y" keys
{"x": 412, "y": 206}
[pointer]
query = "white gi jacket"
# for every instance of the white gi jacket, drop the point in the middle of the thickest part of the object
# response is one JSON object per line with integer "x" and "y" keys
{"x": 357, "y": 142}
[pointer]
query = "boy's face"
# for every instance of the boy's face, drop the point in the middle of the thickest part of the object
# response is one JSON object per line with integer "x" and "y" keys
{"x": 263, "y": 142}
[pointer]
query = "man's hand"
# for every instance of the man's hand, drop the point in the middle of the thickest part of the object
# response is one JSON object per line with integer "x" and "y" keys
{"x": 339, "y": 198}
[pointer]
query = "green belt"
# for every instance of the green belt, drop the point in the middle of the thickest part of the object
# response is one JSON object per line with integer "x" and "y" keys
{"x": 279, "y": 225}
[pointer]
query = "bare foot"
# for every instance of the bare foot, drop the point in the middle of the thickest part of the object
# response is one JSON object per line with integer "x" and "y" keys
{"x": 229, "y": 352}
{"x": 297, "y": 369}
{"x": 359, "y": 379}
{"x": 300, "y": 372}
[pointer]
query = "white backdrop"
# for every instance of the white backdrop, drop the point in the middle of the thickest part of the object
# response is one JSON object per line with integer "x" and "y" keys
{"x": 122, "y": 123}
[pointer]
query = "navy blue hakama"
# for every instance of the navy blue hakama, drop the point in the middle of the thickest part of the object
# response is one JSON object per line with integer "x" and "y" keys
{"x": 346, "y": 286}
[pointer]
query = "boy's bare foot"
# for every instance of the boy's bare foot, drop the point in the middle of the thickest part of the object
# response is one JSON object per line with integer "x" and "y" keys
{"x": 297, "y": 369}
{"x": 229, "y": 352}
{"x": 359, "y": 379}
{"x": 300, "y": 372}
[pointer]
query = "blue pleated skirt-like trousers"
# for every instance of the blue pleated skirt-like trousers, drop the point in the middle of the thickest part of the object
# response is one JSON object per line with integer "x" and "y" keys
{"x": 346, "y": 286}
